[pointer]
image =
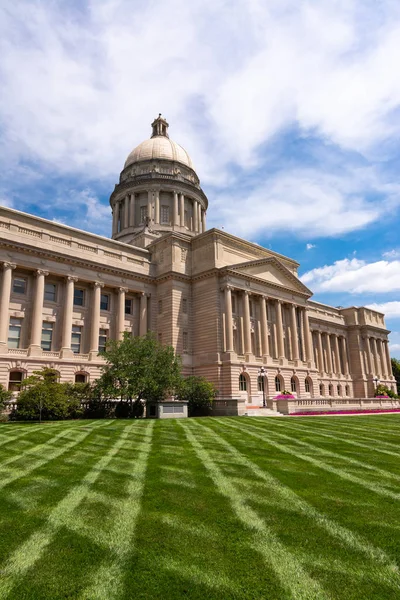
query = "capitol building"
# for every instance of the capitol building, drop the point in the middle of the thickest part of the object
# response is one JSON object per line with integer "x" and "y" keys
{"x": 231, "y": 308}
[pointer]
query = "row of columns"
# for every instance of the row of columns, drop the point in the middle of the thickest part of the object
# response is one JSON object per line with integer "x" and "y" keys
{"x": 334, "y": 340}
{"x": 304, "y": 326}
{"x": 378, "y": 357}
{"x": 124, "y": 211}
{"x": 37, "y": 311}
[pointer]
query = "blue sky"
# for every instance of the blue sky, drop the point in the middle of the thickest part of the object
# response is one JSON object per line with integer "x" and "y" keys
{"x": 290, "y": 111}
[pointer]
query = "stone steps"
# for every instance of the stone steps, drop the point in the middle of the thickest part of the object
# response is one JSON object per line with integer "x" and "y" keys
{"x": 262, "y": 412}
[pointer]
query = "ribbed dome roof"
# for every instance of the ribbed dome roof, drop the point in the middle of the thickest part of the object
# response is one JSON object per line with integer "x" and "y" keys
{"x": 159, "y": 146}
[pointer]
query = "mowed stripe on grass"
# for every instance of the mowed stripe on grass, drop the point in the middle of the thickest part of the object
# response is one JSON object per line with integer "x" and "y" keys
{"x": 314, "y": 513}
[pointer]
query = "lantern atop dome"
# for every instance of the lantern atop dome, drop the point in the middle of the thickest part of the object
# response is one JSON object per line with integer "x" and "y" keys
{"x": 160, "y": 127}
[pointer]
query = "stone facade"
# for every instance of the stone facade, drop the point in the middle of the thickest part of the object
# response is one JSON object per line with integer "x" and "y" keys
{"x": 227, "y": 306}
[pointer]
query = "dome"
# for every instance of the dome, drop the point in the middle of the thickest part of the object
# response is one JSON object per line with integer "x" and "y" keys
{"x": 159, "y": 146}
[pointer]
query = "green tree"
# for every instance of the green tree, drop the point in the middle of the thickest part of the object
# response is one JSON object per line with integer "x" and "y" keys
{"x": 199, "y": 393}
{"x": 137, "y": 369}
{"x": 396, "y": 372}
{"x": 42, "y": 397}
{"x": 5, "y": 395}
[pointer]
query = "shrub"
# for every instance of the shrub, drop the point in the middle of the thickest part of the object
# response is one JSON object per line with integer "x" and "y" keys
{"x": 199, "y": 393}
{"x": 383, "y": 390}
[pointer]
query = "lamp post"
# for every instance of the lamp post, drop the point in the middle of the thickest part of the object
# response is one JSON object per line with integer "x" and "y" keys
{"x": 376, "y": 380}
{"x": 262, "y": 373}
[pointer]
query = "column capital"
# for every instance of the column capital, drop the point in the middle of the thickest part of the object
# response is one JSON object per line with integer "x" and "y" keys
{"x": 247, "y": 292}
{"x": 71, "y": 278}
{"x": 98, "y": 284}
{"x": 9, "y": 265}
{"x": 122, "y": 290}
{"x": 227, "y": 287}
{"x": 41, "y": 272}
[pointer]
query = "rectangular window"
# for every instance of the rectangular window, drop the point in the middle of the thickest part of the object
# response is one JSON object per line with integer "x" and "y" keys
{"x": 104, "y": 302}
{"x": 19, "y": 285}
{"x": 76, "y": 339}
{"x": 103, "y": 336}
{"x": 15, "y": 380}
{"x": 128, "y": 306}
{"x": 184, "y": 306}
{"x": 185, "y": 340}
{"x": 50, "y": 290}
{"x": 234, "y": 304}
{"x": 164, "y": 214}
{"x": 47, "y": 336}
{"x": 160, "y": 307}
{"x": 14, "y": 332}
{"x": 143, "y": 213}
{"x": 79, "y": 297}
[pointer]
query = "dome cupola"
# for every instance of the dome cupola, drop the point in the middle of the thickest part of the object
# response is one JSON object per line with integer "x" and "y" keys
{"x": 158, "y": 190}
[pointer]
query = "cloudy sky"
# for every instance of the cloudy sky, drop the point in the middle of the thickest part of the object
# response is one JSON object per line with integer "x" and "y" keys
{"x": 290, "y": 111}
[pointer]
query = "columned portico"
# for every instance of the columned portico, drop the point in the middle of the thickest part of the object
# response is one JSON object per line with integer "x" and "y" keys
{"x": 66, "y": 350}
{"x": 95, "y": 325}
{"x": 279, "y": 330}
{"x": 121, "y": 313}
{"x": 143, "y": 314}
{"x": 246, "y": 323}
{"x": 264, "y": 328}
{"x": 228, "y": 319}
{"x": 294, "y": 336}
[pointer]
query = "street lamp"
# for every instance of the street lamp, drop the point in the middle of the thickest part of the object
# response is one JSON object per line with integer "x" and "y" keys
{"x": 377, "y": 381}
{"x": 262, "y": 373}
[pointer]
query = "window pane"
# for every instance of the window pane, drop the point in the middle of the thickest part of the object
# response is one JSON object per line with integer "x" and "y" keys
{"x": 104, "y": 302}
{"x": 128, "y": 306}
{"x": 79, "y": 297}
{"x": 47, "y": 336}
{"x": 103, "y": 336}
{"x": 19, "y": 285}
{"x": 164, "y": 214}
{"x": 76, "y": 339}
{"x": 80, "y": 378}
{"x": 143, "y": 213}
{"x": 14, "y": 381}
{"x": 14, "y": 332}
{"x": 50, "y": 292}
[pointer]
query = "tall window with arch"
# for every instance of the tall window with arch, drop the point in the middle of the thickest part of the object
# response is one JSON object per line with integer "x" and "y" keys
{"x": 242, "y": 383}
{"x": 293, "y": 384}
{"x": 278, "y": 384}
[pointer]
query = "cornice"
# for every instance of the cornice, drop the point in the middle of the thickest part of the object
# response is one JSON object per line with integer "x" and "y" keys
{"x": 83, "y": 263}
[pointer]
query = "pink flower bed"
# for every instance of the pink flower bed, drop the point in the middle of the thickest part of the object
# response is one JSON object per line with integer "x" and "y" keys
{"x": 387, "y": 397}
{"x": 345, "y": 412}
{"x": 284, "y": 397}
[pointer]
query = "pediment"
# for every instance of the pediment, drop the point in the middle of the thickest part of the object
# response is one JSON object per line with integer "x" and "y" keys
{"x": 272, "y": 271}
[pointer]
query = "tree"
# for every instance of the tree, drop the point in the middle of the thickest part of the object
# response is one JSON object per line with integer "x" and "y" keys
{"x": 396, "y": 372}
{"x": 43, "y": 397}
{"x": 199, "y": 393}
{"x": 137, "y": 369}
{"x": 5, "y": 396}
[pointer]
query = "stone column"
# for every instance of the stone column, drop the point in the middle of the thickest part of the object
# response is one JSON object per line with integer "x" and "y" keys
{"x": 264, "y": 327}
{"x": 126, "y": 212}
{"x": 328, "y": 353}
{"x": 279, "y": 330}
{"x": 307, "y": 337}
{"x": 176, "y": 215}
{"x": 381, "y": 359}
{"x": 320, "y": 352}
{"x": 374, "y": 356}
{"x": 149, "y": 204}
{"x": 157, "y": 208}
{"x": 195, "y": 217}
{"x": 246, "y": 323}
{"x": 182, "y": 209}
{"x": 132, "y": 210}
{"x": 95, "y": 325}
{"x": 37, "y": 314}
{"x": 388, "y": 361}
{"x": 121, "y": 313}
{"x": 67, "y": 321}
{"x": 344, "y": 354}
{"x": 337, "y": 355}
{"x": 199, "y": 217}
{"x": 115, "y": 215}
{"x": 228, "y": 319}
{"x": 5, "y": 305}
{"x": 293, "y": 331}
{"x": 143, "y": 314}
{"x": 203, "y": 220}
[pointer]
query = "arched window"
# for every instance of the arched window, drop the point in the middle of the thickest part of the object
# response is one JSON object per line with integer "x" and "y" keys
{"x": 339, "y": 390}
{"x": 242, "y": 383}
{"x": 293, "y": 384}
{"x": 278, "y": 386}
{"x": 321, "y": 389}
{"x": 330, "y": 389}
{"x": 260, "y": 382}
{"x": 347, "y": 390}
{"x": 15, "y": 380}
{"x": 308, "y": 385}
{"x": 80, "y": 377}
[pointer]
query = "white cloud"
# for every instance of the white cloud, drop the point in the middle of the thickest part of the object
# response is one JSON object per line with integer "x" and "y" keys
{"x": 391, "y": 310}
{"x": 310, "y": 246}
{"x": 81, "y": 82}
{"x": 355, "y": 276}
{"x": 391, "y": 254}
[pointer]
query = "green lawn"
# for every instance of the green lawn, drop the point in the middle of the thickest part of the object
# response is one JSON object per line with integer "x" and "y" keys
{"x": 202, "y": 508}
